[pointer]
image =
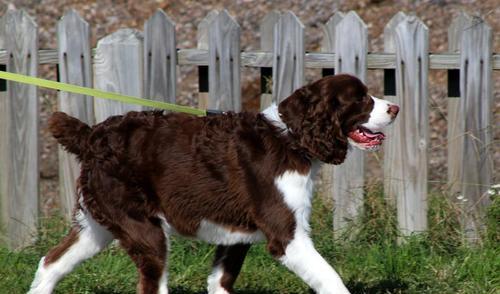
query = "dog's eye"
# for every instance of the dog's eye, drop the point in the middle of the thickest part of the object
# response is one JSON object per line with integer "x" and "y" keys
{"x": 366, "y": 99}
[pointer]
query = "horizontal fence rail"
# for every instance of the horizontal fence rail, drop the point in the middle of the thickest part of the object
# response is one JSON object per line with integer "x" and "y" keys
{"x": 144, "y": 63}
{"x": 374, "y": 60}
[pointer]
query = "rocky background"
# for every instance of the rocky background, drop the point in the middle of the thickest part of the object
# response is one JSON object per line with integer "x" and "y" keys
{"x": 107, "y": 16}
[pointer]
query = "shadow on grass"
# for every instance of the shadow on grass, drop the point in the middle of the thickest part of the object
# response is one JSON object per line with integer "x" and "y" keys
{"x": 355, "y": 287}
{"x": 382, "y": 286}
{"x": 183, "y": 290}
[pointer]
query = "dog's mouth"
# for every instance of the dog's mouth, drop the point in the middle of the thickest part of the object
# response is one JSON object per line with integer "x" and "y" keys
{"x": 365, "y": 139}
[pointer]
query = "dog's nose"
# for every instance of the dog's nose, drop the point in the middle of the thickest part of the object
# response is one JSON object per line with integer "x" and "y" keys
{"x": 393, "y": 110}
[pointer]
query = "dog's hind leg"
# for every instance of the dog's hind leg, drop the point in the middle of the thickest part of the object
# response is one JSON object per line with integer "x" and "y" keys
{"x": 146, "y": 243}
{"x": 226, "y": 267}
{"x": 85, "y": 239}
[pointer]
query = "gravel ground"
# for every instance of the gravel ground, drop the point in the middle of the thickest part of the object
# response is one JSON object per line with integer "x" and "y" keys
{"x": 107, "y": 16}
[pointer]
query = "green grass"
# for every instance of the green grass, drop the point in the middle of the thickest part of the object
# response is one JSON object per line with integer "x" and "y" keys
{"x": 368, "y": 256}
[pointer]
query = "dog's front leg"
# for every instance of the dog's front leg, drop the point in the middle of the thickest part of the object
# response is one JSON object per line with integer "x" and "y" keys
{"x": 289, "y": 241}
{"x": 302, "y": 258}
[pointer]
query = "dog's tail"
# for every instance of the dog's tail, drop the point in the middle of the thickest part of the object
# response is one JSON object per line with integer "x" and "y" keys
{"x": 70, "y": 132}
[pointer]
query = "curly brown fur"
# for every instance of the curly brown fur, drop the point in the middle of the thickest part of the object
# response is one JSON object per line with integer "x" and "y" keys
{"x": 321, "y": 114}
{"x": 69, "y": 132}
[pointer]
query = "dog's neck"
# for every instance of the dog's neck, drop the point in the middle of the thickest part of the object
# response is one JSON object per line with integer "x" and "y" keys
{"x": 272, "y": 114}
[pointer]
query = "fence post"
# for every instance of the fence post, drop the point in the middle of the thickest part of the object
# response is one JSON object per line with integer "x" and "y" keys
{"x": 19, "y": 132}
{"x": 73, "y": 37}
{"x": 329, "y": 32}
{"x": 412, "y": 66}
{"x": 202, "y": 37}
{"x": 393, "y": 169}
{"x": 267, "y": 44}
{"x": 288, "y": 59}
{"x": 455, "y": 135}
{"x": 328, "y": 46}
{"x": 224, "y": 63}
{"x": 476, "y": 103}
{"x": 351, "y": 46}
{"x": 160, "y": 58}
{"x": 118, "y": 66}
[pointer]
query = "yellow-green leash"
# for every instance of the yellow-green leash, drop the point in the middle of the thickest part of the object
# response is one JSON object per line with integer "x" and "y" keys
{"x": 100, "y": 94}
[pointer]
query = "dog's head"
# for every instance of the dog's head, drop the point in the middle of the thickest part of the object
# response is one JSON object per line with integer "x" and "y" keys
{"x": 327, "y": 115}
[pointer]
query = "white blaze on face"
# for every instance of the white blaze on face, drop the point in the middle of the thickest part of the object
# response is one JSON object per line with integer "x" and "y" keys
{"x": 368, "y": 136}
{"x": 380, "y": 116}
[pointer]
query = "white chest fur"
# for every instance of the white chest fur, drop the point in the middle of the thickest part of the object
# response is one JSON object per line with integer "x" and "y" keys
{"x": 217, "y": 234}
{"x": 297, "y": 191}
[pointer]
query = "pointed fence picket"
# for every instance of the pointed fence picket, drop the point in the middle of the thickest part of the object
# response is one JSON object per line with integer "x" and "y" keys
{"x": 455, "y": 135}
{"x": 75, "y": 67}
{"x": 412, "y": 51}
{"x": 160, "y": 58}
{"x": 393, "y": 157}
{"x": 114, "y": 75}
{"x": 476, "y": 103}
{"x": 288, "y": 61}
{"x": 328, "y": 46}
{"x": 19, "y": 129}
{"x": 202, "y": 38}
{"x": 123, "y": 62}
{"x": 267, "y": 44}
{"x": 348, "y": 178}
{"x": 224, "y": 63}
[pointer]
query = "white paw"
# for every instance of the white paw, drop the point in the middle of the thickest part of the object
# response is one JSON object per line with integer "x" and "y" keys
{"x": 219, "y": 290}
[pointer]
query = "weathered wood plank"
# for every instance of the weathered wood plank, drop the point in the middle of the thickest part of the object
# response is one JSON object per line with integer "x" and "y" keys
{"x": 288, "y": 61}
{"x": 411, "y": 87}
{"x": 329, "y": 32}
{"x": 328, "y": 46}
{"x": 73, "y": 39}
{"x": 224, "y": 63}
{"x": 393, "y": 169}
{"x": 4, "y": 153}
{"x": 202, "y": 47}
{"x": 19, "y": 124}
{"x": 455, "y": 135}
{"x": 267, "y": 44}
{"x": 114, "y": 75}
{"x": 375, "y": 60}
{"x": 348, "y": 178}
{"x": 476, "y": 105}
{"x": 160, "y": 58}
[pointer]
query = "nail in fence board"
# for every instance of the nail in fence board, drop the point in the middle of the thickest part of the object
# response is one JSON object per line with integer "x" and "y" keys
{"x": 288, "y": 59}
{"x": 267, "y": 44}
{"x": 348, "y": 178}
{"x": 412, "y": 65}
{"x": 114, "y": 75}
{"x": 75, "y": 67}
{"x": 19, "y": 116}
{"x": 160, "y": 58}
{"x": 476, "y": 102}
{"x": 393, "y": 169}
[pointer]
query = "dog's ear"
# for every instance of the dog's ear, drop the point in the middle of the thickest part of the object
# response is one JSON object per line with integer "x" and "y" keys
{"x": 314, "y": 122}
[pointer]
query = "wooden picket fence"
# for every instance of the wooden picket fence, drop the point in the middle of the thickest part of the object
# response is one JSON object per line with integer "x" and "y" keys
{"x": 145, "y": 63}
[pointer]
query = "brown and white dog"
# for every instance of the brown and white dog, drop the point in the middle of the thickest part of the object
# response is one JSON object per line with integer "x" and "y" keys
{"x": 231, "y": 180}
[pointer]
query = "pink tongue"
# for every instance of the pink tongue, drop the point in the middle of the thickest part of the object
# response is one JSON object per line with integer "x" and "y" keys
{"x": 370, "y": 135}
{"x": 366, "y": 137}
{"x": 359, "y": 136}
